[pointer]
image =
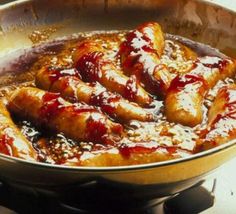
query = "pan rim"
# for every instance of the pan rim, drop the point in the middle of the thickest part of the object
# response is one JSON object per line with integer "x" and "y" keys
{"x": 109, "y": 169}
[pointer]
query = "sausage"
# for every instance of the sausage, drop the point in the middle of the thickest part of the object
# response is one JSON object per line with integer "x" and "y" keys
{"x": 93, "y": 67}
{"x": 12, "y": 141}
{"x": 221, "y": 119}
{"x": 185, "y": 96}
{"x": 68, "y": 83}
{"x": 50, "y": 110}
{"x": 140, "y": 56}
{"x": 129, "y": 154}
{"x": 212, "y": 69}
{"x": 136, "y": 155}
{"x": 170, "y": 142}
{"x": 183, "y": 103}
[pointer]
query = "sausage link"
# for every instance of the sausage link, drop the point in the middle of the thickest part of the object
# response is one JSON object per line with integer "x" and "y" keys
{"x": 183, "y": 103}
{"x": 89, "y": 60}
{"x": 221, "y": 119}
{"x": 136, "y": 155}
{"x": 12, "y": 141}
{"x": 67, "y": 82}
{"x": 184, "y": 100}
{"x": 129, "y": 154}
{"x": 140, "y": 56}
{"x": 77, "y": 121}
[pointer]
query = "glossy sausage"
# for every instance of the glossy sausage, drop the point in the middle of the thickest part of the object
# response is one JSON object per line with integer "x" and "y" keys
{"x": 78, "y": 122}
{"x": 12, "y": 141}
{"x": 68, "y": 83}
{"x": 89, "y": 60}
{"x": 183, "y": 103}
{"x": 140, "y": 56}
{"x": 221, "y": 118}
{"x": 132, "y": 156}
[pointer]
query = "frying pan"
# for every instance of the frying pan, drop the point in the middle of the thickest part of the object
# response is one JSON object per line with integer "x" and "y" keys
{"x": 201, "y": 21}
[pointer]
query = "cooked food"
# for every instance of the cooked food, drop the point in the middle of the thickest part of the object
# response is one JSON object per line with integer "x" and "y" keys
{"x": 120, "y": 98}
{"x": 186, "y": 93}
{"x": 50, "y": 110}
{"x": 92, "y": 65}
{"x": 67, "y": 82}
{"x": 221, "y": 118}
{"x": 140, "y": 56}
{"x": 12, "y": 141}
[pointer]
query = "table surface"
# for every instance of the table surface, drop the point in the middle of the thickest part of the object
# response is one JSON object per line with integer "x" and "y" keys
{"x": 231, "y": 4}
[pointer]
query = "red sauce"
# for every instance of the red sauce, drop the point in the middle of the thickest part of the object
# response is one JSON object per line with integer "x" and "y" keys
{"x": 5, "y": 144}
{"x": 215, "y": 62}
{"x": 171, "y": 149}
{"x": 56, "y": 73}
{"x": 96, "y": 129}
{"x": 136, "y": 41}
{"x": 126, "y": 150}
{"x": 156, "y": 86}
{"x": 231, "y": 114}
{"x": 230, "y": 104}
{"x": 131, "y": 88}
{"x": 89, "y": 66}
{"x": 139, "y": 46}
{"x": 96, "y": 125}
{"x": 179, "y": 82}
{"x": 106, "y": 100}
{"x": 131, "y": 52}
{"x": 52, "y": 106}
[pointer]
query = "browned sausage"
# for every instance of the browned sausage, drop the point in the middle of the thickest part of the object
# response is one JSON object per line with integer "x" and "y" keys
{"x": 77, "y": 121}
{"x": 221, "y": 118}
{"x": 129, "y": 154}
{"x": 136, "y": 155}
{"x": 89, "y": 60}
{"x": 140, "y": 56}
{"x": 183, "y": 103}
{"x": 12, "y": 141}
{"x": 72, "y": 88}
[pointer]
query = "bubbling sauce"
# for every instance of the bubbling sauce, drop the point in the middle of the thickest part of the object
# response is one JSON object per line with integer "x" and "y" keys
{"x": 142, "y": 142}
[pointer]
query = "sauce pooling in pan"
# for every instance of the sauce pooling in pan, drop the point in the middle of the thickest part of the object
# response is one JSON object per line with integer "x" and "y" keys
{"x": 121, "y": 98}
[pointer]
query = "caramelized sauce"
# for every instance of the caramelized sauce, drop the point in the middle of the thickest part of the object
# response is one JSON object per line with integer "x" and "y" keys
{"x": 136, "y": 41}
{"x": 106, "y": 101}
{"x": 89, "y": 66}
{"x": 179, "y": 83}
{"x": 127, "y": 150}
{"x": 52, "y": 106}
{"x": 131, "y": 89}
{"x": 96, "y": 129}
{"x": 213, "y": 62}
{"x": 139, "y": 138}
{"x": 5, "y": 144}
{"x": 57, "y": 73}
